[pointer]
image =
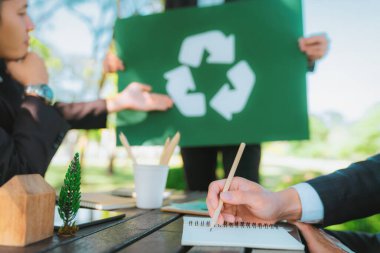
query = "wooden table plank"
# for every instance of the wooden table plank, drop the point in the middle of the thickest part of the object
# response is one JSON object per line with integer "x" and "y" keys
{"x": 55, "y": 241}
{"x": 167, "y": 239}
{"x": 121, "y": 235}
{"x": 118, "y": 234}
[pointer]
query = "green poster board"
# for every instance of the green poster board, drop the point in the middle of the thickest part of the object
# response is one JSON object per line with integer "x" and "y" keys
{"x": 234, "y": 71}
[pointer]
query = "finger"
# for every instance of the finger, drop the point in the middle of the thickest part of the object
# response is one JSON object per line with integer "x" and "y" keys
{"x": 315, "y": 54}
{"x": 315, "y": 45}
{"x": 214, "y": 189}
{"x": 238, "y": 197}
{"x": 301, "y": 44}
{"x": 120, "y": 65}
{"x": 220, "y": 220}
{"x": 309, "y": 232}
{"x": 143, "y": 87}
{"x": 160, "y": 102}
{"x": 161, "y": 97}
{"x": 315, "y": 48}
{"x": 168, "y": 101}
{"x": 229, "y": 217}
{"x": 319, "y": 39}
{"x": 113, "y": 68}
{"x": 210, "y": 209}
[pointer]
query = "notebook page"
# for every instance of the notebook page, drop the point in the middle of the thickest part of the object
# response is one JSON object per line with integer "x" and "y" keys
{"x": 197, "y": 232}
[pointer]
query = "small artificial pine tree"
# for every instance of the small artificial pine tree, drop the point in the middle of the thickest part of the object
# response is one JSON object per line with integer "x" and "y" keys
{"x": 69, "y": 198}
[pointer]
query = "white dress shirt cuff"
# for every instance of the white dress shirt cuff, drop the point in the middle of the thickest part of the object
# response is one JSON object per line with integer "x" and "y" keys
{"x": 312, "y": 207}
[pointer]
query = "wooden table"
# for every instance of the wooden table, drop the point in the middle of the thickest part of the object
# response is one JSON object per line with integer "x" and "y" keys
{"x": 140, "y": 231}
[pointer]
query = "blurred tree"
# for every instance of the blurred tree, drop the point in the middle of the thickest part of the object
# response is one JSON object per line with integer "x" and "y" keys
{"x": 316, "y": 145}
{"x": 53, "y": 63}
{"x": 366, "y": 134}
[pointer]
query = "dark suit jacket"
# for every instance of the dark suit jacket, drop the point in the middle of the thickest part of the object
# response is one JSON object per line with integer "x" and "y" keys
{"x": 350, "y": 193}
{"x": 31, "y": 131}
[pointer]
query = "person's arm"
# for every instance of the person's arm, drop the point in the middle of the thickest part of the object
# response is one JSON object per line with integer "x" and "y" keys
{"x": 350, "y": 193}
{"x": 86, "y": 115}
{"x": 90, "y": 115}
{"x": 31, "y": 131}
{"x": 37, "y": 133}
{"x": 345, "y": 194}
{"x": 318, "y": 240}
{"x": 248, "y": 201}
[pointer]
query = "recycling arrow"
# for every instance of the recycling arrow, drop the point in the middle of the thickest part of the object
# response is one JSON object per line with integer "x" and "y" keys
{"x": 180, "y": 83}
{"x": 228, "y": 101}
{"x": 220, "y": 48}
{"x": 181, "y": 86}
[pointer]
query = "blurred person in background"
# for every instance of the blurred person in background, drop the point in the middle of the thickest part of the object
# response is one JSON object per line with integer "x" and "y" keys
{"x": 32, "y": 125}
{"x": 200, "y": 163}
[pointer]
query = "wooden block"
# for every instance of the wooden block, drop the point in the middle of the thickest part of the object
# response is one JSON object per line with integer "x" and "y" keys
{"x": 27, "y": 210}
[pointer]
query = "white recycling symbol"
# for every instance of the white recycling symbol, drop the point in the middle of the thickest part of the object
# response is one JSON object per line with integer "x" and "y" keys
{"x": 181, "y": 86}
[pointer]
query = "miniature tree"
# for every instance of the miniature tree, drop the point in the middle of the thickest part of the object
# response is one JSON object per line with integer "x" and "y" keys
{"x": 69, "y": 198}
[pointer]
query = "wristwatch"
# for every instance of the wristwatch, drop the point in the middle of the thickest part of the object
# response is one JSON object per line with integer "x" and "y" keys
{"x": 41, "y": 90}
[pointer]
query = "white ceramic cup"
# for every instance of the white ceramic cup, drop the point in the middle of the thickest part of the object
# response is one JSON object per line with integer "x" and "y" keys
{"x": 150, "y": 182}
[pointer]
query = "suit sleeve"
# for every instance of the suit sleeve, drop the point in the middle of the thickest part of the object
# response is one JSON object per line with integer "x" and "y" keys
{"x": 37, "y": 133}
{"x": 86, "y": 115}
{"x": 350, "y": 193}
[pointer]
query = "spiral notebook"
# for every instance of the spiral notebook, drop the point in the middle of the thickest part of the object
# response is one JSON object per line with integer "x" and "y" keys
{"x": 196, "y": 232}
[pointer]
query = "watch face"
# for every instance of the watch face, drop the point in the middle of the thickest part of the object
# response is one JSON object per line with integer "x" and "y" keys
{"x": 47, "y": 92}
{"x": 43, "y": 91}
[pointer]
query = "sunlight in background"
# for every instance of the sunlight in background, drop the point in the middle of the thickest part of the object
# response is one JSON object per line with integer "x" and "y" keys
{"x": 347, "y": 80}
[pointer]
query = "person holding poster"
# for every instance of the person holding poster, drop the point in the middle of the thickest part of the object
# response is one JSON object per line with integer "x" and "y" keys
{"x": 200, "y": 163}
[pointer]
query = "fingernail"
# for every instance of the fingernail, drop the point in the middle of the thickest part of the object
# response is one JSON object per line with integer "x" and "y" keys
{"x": 226, "y": 196}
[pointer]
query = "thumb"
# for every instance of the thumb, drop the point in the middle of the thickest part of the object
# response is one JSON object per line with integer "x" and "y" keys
{"x": 236, "y": 197}
{"x": 308, "y": 231}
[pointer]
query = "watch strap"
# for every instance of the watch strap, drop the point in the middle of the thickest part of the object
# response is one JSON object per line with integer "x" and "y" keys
{"x": 41, "y": 90}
